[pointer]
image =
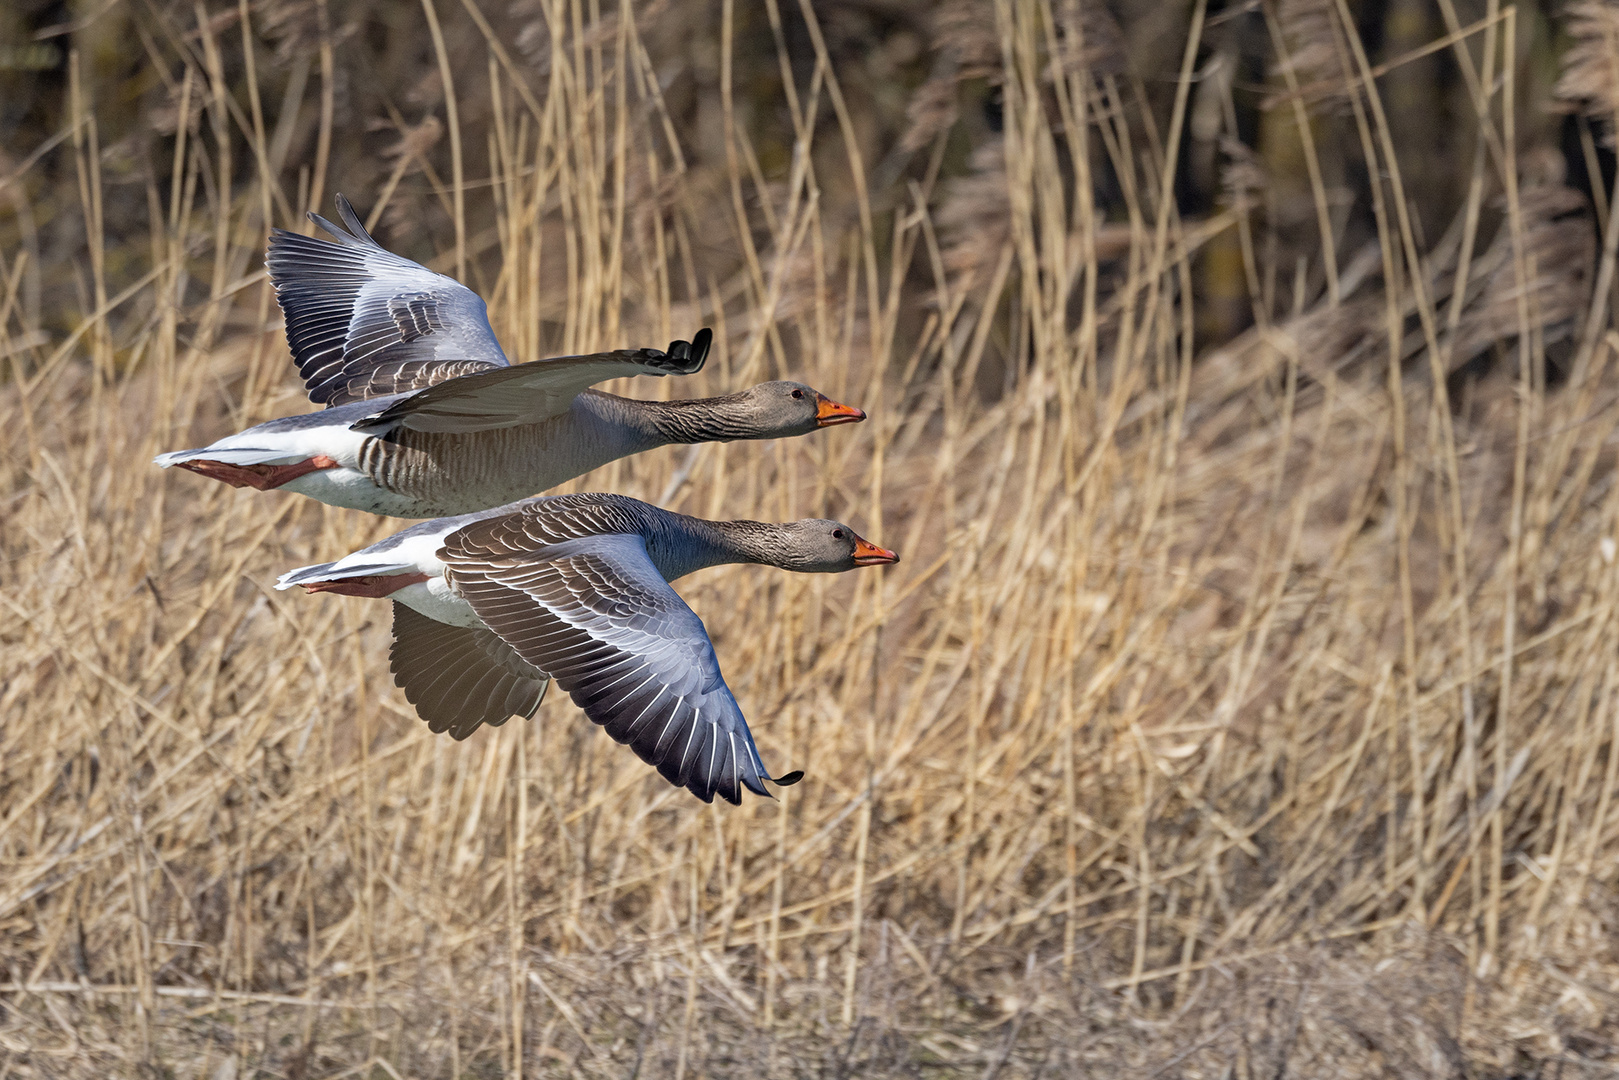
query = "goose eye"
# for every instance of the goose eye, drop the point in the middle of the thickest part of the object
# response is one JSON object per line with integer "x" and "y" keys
{"x": 798, "y": 393}
{"x": 837, "y": 534}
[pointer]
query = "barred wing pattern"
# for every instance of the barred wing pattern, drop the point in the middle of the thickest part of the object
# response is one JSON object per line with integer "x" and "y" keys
{"x": 528, "y": 525}
{"x": 363, "y": 322}
{"x": 460, "y": 678}
{"x": 600, "y": 620}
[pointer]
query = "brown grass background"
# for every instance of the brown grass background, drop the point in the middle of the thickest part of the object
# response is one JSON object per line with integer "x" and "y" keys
{"x": 1243, "y": 403}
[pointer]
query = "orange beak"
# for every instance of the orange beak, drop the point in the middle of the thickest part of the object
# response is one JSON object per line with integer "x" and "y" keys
{"x": 829, "y": 412}
{"x": 868, "y": 554}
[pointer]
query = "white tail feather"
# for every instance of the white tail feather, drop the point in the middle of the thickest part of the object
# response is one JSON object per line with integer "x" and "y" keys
{"x": 232, "y": 455}
{"x": 331, "y": 571}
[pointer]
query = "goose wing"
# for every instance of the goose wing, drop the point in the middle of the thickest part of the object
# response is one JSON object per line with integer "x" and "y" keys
{"x": 529, "y": 393}
{"x": 597, "y": 617}
{"x": 460, "y": 678}
{"x": 363, "y": 322}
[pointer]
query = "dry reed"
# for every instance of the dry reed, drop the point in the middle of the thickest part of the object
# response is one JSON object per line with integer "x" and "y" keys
{"x": 1239, "y": 714}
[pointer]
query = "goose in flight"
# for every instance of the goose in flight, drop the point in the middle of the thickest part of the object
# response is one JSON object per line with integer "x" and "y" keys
{"x": 489, "y": 607}
{"x": 425, "y": 417}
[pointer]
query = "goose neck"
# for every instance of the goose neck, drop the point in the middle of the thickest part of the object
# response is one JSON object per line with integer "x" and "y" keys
{"x": 748, "y": 541}
{"x": 717, "y": 419}
{"x": 694, "y": 544}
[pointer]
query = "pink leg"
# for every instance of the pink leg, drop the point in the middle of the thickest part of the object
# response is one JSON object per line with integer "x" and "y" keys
{"x": 258, "y": 477}
{"x": 375, "y": 586}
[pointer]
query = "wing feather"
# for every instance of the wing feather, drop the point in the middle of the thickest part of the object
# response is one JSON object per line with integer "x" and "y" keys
{"x": 529, "y": 393}
{"x": 363, "y": 322}
{"x": 460, "y": 678}
{"x": 601, "y": 621}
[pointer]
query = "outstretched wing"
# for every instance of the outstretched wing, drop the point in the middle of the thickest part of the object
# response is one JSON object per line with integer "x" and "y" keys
{"x": 363, "y": 322}
{"x": 598, "y": 618}
{"x": 460, "y": 678}
{"x": 529, "y": 393}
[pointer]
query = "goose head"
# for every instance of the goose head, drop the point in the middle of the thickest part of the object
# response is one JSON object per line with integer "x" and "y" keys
{"x": 819, "y": 546}
{"x": 775, "y": 410}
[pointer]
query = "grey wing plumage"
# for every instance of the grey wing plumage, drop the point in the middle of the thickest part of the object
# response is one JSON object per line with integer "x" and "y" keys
{"x": 460, "y": 678}
{"x": 596, "y": 616}
{"x": 363, "y": 322}
{"x": 529, "y": 393}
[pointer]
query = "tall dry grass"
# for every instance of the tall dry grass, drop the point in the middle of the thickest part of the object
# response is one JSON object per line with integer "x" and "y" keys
{"x": 1239, "y": 712}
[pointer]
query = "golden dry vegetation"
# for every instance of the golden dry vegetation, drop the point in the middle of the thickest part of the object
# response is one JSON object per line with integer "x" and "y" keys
{"x": 1245, "y": 704}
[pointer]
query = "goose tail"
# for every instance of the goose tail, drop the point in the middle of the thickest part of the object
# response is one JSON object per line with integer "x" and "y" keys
{"x": 331, "y": 571}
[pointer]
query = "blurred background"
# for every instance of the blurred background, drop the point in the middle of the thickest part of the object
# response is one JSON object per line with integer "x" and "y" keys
{"x": 1243, "y": 404}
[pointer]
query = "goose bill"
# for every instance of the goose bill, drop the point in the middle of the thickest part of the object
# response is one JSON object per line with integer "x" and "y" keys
{"x": 829, "y": 412}
{"x": 868, "y": 554}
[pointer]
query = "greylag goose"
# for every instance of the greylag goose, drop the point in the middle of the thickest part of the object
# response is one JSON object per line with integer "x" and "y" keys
{"x": 426, "y": 417}
{"x": 489, "y": 607}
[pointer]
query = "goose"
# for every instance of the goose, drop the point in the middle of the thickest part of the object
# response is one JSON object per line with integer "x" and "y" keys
{"x": 489, "y": 607}
{"x": 426, "y": 418}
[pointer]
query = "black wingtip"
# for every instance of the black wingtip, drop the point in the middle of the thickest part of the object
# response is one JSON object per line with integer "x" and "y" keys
{"x": 352, "y": 231}
{"x": 694, "y": 353}
{"x": 356, "y": 227}
{"x": 788, "y": 779}
{"x": 337, "y": 233}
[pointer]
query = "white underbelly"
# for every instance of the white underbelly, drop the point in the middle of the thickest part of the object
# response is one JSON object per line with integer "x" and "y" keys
{"x": 435, "y": 599}
{"x": 354, "y": 490}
